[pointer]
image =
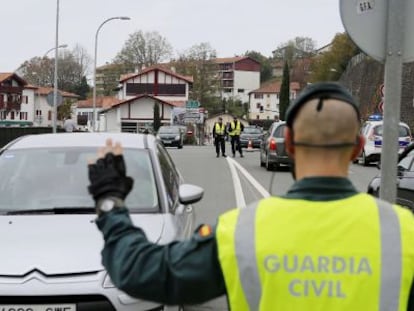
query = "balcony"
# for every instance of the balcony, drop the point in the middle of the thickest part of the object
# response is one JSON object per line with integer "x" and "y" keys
{"x": 10, "y": 105}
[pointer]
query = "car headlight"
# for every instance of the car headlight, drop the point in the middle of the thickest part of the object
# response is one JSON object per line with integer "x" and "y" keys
{"x": 107, "y": 283}
{"x": 177, "y": 137}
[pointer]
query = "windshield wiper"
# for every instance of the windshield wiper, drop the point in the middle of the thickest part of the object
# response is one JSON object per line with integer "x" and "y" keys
{"x": 54, "y": 211}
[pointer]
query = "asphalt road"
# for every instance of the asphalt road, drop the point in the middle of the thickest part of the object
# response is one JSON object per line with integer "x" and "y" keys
{"x": 234, "y": 182}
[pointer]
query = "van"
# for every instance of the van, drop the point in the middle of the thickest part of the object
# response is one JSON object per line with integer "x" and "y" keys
{"x": 373, "y": 130}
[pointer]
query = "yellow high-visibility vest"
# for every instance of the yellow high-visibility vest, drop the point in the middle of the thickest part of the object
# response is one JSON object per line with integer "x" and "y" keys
{"x": 220, "y": 129}
{"x": 235, "y": 128}
{"x": 283, "y": 254}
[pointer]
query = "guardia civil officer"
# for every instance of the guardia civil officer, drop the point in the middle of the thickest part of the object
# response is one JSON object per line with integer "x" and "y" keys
{"x": 235, "y": 129}
{"x": 321, "y": 246}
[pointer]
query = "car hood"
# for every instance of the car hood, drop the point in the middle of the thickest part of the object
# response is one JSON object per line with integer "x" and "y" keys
{"x": 60, "y": 244}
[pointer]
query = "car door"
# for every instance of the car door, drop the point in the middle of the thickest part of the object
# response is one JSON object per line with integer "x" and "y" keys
{"x": 280, "y": 139}
{"x": 172, "y": 180}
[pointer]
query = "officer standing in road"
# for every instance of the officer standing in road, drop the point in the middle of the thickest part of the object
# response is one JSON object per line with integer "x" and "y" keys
{"x": 219, "y": 134}
{"x": 321, "y": 246}
{"x": 235, "y": 129}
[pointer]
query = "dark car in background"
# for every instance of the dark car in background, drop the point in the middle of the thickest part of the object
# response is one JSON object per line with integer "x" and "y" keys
{"x": 171, "y": 136}
{"x": 405, "y": 179}
{"x": 272, "y": 147}
{"x": 252, "y": 133}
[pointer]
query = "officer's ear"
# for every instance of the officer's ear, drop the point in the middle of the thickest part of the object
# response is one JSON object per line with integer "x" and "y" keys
{"x": 289, "y": 145}
{"x": 359, "y": 146}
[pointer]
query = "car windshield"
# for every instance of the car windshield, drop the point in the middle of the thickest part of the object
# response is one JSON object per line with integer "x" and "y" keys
{"x": 402, "y": 132}
{"x": 252, "y": 130}
{"x": 53, "y": 178}
{"x": 168, "y": 130}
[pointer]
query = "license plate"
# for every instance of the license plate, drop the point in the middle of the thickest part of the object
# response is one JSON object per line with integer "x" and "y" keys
{"x": 48, "y": 307}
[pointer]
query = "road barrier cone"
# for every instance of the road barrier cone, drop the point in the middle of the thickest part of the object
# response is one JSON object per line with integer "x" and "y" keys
{"x": 249, "y": 145}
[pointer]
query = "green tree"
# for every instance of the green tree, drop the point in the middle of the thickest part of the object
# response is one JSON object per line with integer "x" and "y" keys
{"x": 144, "y": 49}
{"x": 82, "y": 89}
{"x": 331, "y": 64}
{"x": 284, "y": 98}
{"x": 198, "y": 62}
{"x": 265, "y": 65}
{"x": 157, "y": 120}
{"x": 64, "y": 110}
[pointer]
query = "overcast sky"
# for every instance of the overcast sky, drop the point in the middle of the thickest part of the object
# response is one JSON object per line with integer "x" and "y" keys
{"x": 232, "y": 27}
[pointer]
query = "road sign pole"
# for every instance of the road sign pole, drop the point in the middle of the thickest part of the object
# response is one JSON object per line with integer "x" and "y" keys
{"x": 392, "y": 105}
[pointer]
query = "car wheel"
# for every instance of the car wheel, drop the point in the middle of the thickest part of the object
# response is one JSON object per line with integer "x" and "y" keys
{"x": 262, "y": 164}
{"x": 365, "y": 161}
{"x": 180, "y": 146}
{"x": 269, "y": 166}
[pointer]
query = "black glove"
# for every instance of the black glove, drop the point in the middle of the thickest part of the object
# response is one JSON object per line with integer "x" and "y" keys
{"x": 108, "y": 178}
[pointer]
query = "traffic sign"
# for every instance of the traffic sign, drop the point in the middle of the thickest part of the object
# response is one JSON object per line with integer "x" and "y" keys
{"x": 366, "y": 23}
{"x": 192, "y": 103}
{"x": 50, "y": 96}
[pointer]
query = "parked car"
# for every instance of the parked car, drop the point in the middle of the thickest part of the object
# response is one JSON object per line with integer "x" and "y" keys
{"x": 252, "y": 133}
{"x": 405, "y": 179}
{"x": 172, "y": 136}
{"x": 373, "y": 131}
{"x": 47, "y": 218}
{"x": 272, "y": 147}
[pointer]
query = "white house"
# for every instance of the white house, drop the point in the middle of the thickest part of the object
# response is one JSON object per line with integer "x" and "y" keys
{"x": 138, "y": 92}
{"x": 239, "y": 75}
{"x": 24, "y": 104}
{"x": 264, "y": 102}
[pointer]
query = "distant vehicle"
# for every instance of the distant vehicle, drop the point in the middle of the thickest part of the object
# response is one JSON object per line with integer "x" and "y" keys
{"x": 373, "y": 131}
{"x": 405, "y": 179}
{"x": 272, "y": 147}
{"x": 171, "y": 136}
{"x": 252, "y": 133}
{"x": 48, "y": 232}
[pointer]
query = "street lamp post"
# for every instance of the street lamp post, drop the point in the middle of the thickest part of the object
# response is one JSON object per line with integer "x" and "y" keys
{"x": 94, "y": 66}
{"x": 54, "y": 114}
{"x": 62, "y": 46}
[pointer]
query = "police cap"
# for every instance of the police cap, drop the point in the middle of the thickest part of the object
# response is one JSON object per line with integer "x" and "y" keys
{"x": 322, "y": 91}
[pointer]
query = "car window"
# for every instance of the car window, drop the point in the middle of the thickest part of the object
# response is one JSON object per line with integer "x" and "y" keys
{"x": 170, "y": 175}
{"x": 279, "y": 131}
{"x": 168, "y": 130}
{"x": 404, "y": 131}
{"x": 406, "y": 163}
{"x": 45, "y": 178}
{"x": 252, "y": 130}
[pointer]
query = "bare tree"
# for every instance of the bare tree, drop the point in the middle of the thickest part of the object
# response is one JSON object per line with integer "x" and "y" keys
{"x": 73, "y": 66}
{"x": 143, "y": 50}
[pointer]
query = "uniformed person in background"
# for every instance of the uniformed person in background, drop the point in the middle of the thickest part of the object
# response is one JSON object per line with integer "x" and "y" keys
{"x": 321, "y": 246}
{"x": 235, "y": 129}
{"x": 219, "y": 134}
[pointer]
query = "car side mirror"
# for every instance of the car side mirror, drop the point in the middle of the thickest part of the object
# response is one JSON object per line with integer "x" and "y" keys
{"x": 189, "y": 194}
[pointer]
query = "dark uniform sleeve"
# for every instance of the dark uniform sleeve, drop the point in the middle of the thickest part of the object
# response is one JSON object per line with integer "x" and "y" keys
{"x": 185, "y": 272}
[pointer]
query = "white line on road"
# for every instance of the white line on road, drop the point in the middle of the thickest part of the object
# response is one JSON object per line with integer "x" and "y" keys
{"x": 238, "y": 190}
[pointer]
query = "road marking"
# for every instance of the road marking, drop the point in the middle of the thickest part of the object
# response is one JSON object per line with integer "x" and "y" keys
{"x": 238, "y": 190}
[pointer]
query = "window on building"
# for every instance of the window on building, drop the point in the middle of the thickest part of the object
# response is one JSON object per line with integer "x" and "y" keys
{"x": 38, "y": 112}
{"x": 257, "y": 117}
{"x": 3, "y": 115}
{"x": 261, "y": 108}
{"x": 23, "y": 115}
{"x": 11, "y": 115}
{"x": 49, "y": 115}
{"x": 240, "y": 90}
{"x": 227, "y": 90}
{"x": 25, "y": 99}
{"x": 258, "y": 95}
{"x": 268, "y": 95}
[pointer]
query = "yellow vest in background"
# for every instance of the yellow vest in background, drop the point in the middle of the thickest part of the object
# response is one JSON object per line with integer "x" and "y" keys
{"x": 220, "y": 130}
{"x": 296, "y": 255}
{"x": 235, "y": 128}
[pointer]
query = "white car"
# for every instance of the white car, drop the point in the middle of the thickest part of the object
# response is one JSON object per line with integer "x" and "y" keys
{"x": 373, "y": 132}
{"x": 50, "y": 245}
